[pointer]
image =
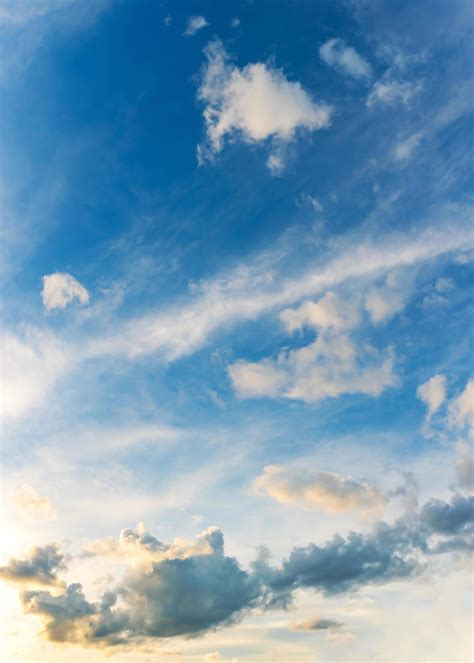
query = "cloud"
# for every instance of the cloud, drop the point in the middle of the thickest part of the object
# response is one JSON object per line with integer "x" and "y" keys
{"x": 433, "y": 393}
{"x": 345, "y": 59}
{"x": 31, "y": 365}
{"x": 323, "y": 490}
{"x": 389, "y": 552}
{"x": 404, "y": 149}
{"x": 391, "y": 92}
{"x": 194, "y": 24}
{"x": 256, "y": 289}
{"x": 320, "y": 624}
{"x": 254, "y": 104}
{"x": 325, "y": 313}
{"x": 204, "y": 591}
{"x": 328, "y": 367}
{"x": 138, "y": 544}
{"x": 384, "y": 301}
{"x": 60, "y": 289}
{"x": 40, "y": 567}
{"x": 461, "y": 408}
{"x": 30, "y": 503}
{"x": 449, "y": 518}
{"x": 167, "y": 598}
{"x": 465, "y": 466}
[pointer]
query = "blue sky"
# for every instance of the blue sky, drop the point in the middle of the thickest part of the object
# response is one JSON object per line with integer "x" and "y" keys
{"x": 237, "y": 403}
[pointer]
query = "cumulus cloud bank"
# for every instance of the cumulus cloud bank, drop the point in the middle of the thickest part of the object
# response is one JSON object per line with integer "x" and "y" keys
{"x": 187, "y": 596}
{"x": 253, "y": 104}
{"x": 323, "y": 490}
{"x": 61, "y": 289}
{"x": 345, "y": 59}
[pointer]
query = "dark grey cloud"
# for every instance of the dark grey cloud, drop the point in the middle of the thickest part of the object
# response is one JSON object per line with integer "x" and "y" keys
{"x": 206, "y": 590}
{"x": 40, "y": 567}
{"x": 163, "y": 599}
{"x": 343, "y": 564}
{"x": 445, "y": 518}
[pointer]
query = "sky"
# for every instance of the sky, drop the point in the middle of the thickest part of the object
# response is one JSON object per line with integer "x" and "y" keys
{"x": 236, "y": 277}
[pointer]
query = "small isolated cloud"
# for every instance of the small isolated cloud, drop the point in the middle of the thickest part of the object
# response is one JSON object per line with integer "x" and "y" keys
{"x": 235, "y": 23}
{"x": 320, "y": 624}
{"x": 404, "y": 149}
{"x": 40, "y": 567}
{"x": 323, "y": 490}
{"x": 345, "y": 59}
{"x": 253, "y": 104}
{"x": 194, "y": 24}
{"x": 61, "y": 289}
{"x": 30, "y": 503}
{"x": 391, "y": 92}
{"x": 433, "y": 393}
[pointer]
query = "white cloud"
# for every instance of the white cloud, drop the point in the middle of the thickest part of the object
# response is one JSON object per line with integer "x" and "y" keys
{"x": 389, "y": 92}
{"x": 254, "y": 103}
{"x": 194, "y": 24}
{"x": 30, "y": 367}
{"x": 255, "y": 289}
{"x": 328, "y": 367}
{"x": 405, "y": 148}
{"x": 433, "y": 393}
{"x": 61, "y": 289}
{"x": 345, "y": 59}
{"x": 383, "y": 302}
{"x": 257, "y": 379}
{"x": 327, "y": 312}
{"x": 324, "y": 490}
{"x": 461, "y": 409}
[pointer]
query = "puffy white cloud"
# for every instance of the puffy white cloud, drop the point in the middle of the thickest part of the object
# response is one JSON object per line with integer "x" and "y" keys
{"x": 323, "y": 490}
{"x": 345, "y": 59}
{"x": 405, "y": 148}
{"x": 433, "y": 393}
{"x": 31, "y": 364}
{"x": 254, "y": 103}
{"x": 389, "y": 92}
{"x": 30, "y": 503}
{"x": 324, "y": 313}
{"x": 328, "y": 367}
{"x": 61, "y": 289}
{"x": 194, "y": 24}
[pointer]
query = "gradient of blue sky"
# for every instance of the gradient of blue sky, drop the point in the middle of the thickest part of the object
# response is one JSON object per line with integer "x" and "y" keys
{"x": 255, "y": 224}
